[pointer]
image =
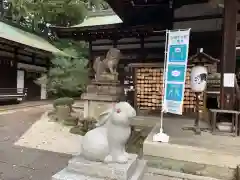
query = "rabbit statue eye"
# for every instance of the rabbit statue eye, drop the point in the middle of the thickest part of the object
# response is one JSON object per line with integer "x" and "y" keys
{"x": 118, "y": 110}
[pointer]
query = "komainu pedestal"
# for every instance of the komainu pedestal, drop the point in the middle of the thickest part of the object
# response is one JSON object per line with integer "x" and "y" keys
{"x": 81, "y": 169}
{"x": 100, "y": 96}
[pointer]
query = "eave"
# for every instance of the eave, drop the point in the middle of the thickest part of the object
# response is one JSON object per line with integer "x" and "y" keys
{"x": 150, "y": 11}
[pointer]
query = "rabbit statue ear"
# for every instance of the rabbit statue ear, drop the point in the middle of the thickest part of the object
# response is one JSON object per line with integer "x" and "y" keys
{"x": 103, "y": 117}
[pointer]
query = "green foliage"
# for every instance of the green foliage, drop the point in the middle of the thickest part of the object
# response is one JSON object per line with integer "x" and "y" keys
{"x": 18, "y": 9}
{"x": 70, "y": 121}
{"x": 62, "y": 112}
{"x": 84, "y": 126}
{"x": 136, "y": 140}
{"x": 57, "y": 12}
{"x": 67, "y": 74}
{"x": 63, "y": 101}
{"x": 73, "y": 48}
{"x": 100, "y": 4}
{"x": 32, "y": 13}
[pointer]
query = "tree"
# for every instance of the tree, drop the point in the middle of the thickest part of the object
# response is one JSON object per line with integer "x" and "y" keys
{"x": 67, "y": 76}
{"x": 80, "y": 49}
{"x": 37, "y": 13}
{"x": 100, "y": 4}
{"x": 42, "y": 12}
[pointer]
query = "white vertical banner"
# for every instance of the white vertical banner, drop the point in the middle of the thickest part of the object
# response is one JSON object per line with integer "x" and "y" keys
{"x": 175, "y": 70}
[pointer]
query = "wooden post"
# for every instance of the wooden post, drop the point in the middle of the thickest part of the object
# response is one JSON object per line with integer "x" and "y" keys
{"x": 90, "y": 51}
{"x": 197, "y": 120}
{"x": 33, "y": 58}
{"x": 48, "y": 63}
{"x": 115, "y": 41}
{"x": 2, "y": 8}
{"x": 90, "y": 58}
{"x": 228, "y": 63}
{"x": 142, "y": 49}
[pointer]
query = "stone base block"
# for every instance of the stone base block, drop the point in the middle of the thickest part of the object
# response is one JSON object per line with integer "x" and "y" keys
{"x": 79, "y": 169}
{"x": 95, "y": 104}
{"x": 99, "y": 97}
{"x": 102, "y": 89}
{"x": 99, "y": 169}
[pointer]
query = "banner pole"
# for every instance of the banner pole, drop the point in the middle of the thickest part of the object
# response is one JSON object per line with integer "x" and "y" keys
{"x": 164, "y": 78}
{"x": 175, "y": 66}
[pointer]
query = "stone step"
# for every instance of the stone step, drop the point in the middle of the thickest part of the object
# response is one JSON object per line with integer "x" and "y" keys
{"x": 140, "y": 170}
{"x": 190, "y": 160}
{"x": 202, "y": 171}
{"x": 161, "y": 174}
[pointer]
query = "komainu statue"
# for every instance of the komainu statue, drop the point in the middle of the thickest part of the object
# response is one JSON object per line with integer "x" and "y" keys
{"x": 107, "y": 69}
{"x": 106, "y": 143}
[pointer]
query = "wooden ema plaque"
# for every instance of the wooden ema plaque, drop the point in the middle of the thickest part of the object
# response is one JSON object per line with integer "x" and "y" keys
{"x": 149, "y": 90}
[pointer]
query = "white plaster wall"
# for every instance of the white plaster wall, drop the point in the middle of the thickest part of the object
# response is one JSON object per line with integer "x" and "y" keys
{"x": 33, "y": 68}
{"x": 20, "y": 82}
{"x": 43, "y": 91}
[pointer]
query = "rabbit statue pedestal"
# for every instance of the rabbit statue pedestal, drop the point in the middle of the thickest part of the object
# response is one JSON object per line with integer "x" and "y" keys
{"x": 81, "y": 169}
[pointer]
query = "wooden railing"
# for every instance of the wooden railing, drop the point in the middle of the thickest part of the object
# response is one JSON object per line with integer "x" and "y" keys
{"x": 12, "y": 93}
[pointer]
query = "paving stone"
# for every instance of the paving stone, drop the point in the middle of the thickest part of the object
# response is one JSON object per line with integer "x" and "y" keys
{"x": 12, "y": 172}
{"x": 51, "y": 160}
{"x": 20, "y": 163}
{"x": 39, "y": 175}
{"x": 19, "y": 156}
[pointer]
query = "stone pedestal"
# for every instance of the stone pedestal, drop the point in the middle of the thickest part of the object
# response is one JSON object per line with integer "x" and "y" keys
{"x": 81, "y": 169}
{"x": 100, "y": 96}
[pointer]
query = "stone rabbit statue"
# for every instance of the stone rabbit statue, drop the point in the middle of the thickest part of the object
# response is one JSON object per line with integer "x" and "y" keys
{"x": 106, "y": 143}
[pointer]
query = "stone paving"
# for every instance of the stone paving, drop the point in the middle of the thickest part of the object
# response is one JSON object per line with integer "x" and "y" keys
{"x": 25, "y": 104}
{"x": 18, "y": 163}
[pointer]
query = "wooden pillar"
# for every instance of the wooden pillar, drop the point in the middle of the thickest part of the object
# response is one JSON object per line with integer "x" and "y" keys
{"x": 2, "y": 8}
{"x": 228, "y": 62}
{"x": 142, "y": 48}
{"x": 115, "y": 41}
{"x": 15, "y": 64}
{"x": 90, "y": 59}
{"x": 33, "y": 58}
{"x": 90, "y": 51}
{"x": 48, "y": 63}
{"x": 171, "y": 5}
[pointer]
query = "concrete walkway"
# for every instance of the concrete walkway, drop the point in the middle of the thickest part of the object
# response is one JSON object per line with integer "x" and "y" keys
{"x": 18, "y": 163}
